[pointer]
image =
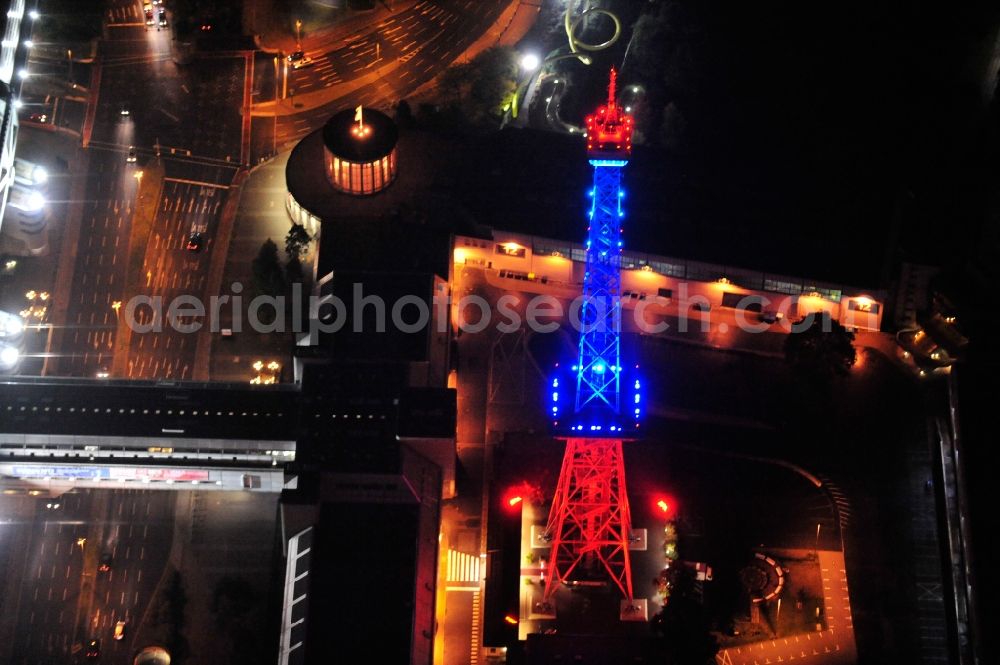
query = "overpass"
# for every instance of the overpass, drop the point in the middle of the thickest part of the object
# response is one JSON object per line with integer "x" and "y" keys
{"x": 61, "y": 433}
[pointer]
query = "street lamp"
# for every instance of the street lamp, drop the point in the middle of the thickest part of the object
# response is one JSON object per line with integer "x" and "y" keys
{"x": 33, "y": 14}
{"x": 530, "y": 62}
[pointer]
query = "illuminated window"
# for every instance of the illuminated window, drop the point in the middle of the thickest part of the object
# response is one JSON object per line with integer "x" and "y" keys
{"x": 511, "y": 249}
{"x": 354, "y": 182}
{"x": 867, "y": 306}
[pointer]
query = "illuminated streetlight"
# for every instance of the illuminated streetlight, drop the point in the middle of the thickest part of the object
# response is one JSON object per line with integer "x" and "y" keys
{"x": 33, "y": 15}
{"x": 28, "y": 43}
{"x": 530, "y": 62}
{"x": 81, "y": 542}
{"x": 22, "y": 73}
{"x": 9, "y": 356}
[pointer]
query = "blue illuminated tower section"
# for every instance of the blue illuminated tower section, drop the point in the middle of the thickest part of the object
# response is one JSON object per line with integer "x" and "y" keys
{"x": 604, "y": 398}
{"x": 598, "y": 368}
{"x": 595, "y": 398}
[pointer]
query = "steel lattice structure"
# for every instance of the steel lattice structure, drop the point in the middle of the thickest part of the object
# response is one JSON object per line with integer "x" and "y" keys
{"x": 590, "y": 523}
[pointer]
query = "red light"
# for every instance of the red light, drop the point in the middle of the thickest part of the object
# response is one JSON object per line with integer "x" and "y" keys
{"x": 511, "y": 620}
{"x": 666, "y": 505}
{"x": 513, "y": 501}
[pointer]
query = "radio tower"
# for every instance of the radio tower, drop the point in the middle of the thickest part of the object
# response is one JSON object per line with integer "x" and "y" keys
{"x": 596, "y": 405}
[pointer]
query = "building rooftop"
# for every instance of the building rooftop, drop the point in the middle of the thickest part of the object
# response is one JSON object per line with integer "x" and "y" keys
{"x": 371, "y": 140}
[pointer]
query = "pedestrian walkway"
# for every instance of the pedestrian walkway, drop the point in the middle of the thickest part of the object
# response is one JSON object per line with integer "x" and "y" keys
{"x": 832, "y": 646}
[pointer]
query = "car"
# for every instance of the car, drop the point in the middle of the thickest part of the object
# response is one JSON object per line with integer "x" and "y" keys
{"x": 194, "y": 241}
{"x": 125, "y": 110}
{"x": 131, "y": 157}
{"x": 105, "y": 564}
{"x": 149, "y": 17}
{"x": 40, "y": 118}
{"x": 11, "y": 326}
{"x": 119, "y": 633}
{"x": 163, "y": 18}
{"x": 299, "y": 59}
{"x": 93, "y": 650}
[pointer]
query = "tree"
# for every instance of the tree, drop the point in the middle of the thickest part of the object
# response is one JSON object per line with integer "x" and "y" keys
{"x": 268, "y": 278}
{"x": 404, "y": 114}
{"x": 683, "y": 626}
{"x": 297, "y": 242}
{"x": 820, "y": 348}
{"x": 481, "y": 88}
{"x": 294, "y": 272}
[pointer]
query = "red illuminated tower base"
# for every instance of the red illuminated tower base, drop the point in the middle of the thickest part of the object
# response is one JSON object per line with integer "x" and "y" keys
{"x": 590, "y": 522}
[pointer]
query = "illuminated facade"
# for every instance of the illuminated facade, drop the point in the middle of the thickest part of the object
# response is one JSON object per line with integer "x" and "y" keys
{"x": 667, "y": 286}
{"x": 597, "y": 400}
{"x": 12, "y": 53}
{"x": 360, "y": 151}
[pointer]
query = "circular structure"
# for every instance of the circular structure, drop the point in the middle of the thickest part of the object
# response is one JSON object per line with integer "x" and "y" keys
{"x": 360, "y": 151}
{"x": 763, "y": 578}
{"x": 153, "y": 655}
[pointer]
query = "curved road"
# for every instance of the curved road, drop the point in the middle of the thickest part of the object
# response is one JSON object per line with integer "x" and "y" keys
{"x": 403, "y": 52}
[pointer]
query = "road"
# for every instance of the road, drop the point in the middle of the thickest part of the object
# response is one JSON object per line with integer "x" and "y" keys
{"x": 63, "y": 600}
{"x": 407, "y": 50}
{"x": 170, "y": 270}
{"x": 166, "y": 123}
{"x": 167, "y": 107}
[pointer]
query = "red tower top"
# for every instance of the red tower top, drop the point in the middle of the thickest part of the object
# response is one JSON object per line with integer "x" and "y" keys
{"x": 609, "y": 132}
